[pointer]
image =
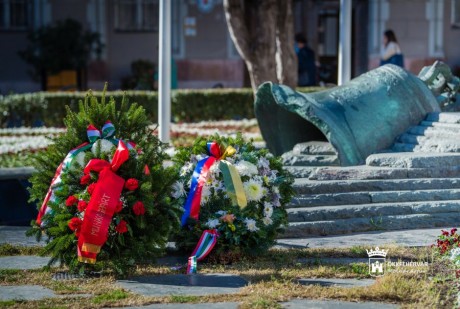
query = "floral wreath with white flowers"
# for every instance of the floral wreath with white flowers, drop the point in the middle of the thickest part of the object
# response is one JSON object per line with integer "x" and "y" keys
{"x": 249, "y": 227}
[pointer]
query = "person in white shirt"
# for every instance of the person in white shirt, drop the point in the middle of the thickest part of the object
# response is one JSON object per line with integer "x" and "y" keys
{"x": 391, "y": 52}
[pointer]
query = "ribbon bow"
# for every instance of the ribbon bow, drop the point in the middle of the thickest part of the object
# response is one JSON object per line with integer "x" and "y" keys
{"x": 102, "y": 205}
{"x": 232, "y": 181}
{"x": 108, "y": 130}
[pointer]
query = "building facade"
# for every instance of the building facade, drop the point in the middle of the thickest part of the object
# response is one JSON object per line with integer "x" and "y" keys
{"x": 201, "y": 45}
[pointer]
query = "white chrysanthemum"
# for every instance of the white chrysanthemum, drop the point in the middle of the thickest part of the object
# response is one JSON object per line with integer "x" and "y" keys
{"x": 267, "y": 221}
{"x": 178, "y": 189}
{"x": 187, "y": 168}
{"x": 214, "y": 169}
{"x": 106, "y": 146}
{"x": 251, "y": 225}
{"x": 221, "y": 212}
{"x": 253, "y": 190}
{"x": 246, "y": 168}
{"x": 212, "y": 223}
{"x": 205, "y": 195}
{"x": 263, "y": 163}
{"x": 268, "y": 209}
{"x": 217, "y": 185}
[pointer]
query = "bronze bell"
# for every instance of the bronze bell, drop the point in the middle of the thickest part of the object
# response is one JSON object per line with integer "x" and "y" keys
{"x": 359, "y": 118}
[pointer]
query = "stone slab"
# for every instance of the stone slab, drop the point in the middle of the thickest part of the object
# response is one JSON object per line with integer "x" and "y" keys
{"x": 334, "y": 304}
{"x": 375, "y": 223}
{"x": 315, "y": 148}
{"x": 16, "y": 172}
{"x": 336, "y": 282}
{"x": 406, "y": 238}
{"x": 25, "y": 292}
{"x": 197, "y": 285}
{"x": 16, "y": 235}
{"x": 230, "y": 305}
{"x": 414, "y": 160}
{"x": 23, "y": 262}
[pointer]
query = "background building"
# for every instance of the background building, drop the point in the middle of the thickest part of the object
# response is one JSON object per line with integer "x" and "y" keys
{"x": 201, "y": 44}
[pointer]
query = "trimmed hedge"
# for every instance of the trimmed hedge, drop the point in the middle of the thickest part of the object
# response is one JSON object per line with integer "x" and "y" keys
{"x": 48, "y": 108}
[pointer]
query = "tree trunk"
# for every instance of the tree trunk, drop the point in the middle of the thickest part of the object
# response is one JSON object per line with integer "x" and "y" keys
{"x": 286, "y": 59}
{"x": 255, "y": 27}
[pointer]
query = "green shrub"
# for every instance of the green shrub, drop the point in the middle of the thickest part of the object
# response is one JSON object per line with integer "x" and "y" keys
{"x": 186, "y": 105}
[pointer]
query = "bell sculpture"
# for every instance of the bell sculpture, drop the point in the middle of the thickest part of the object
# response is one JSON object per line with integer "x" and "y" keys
{"x": 361, "y": 117}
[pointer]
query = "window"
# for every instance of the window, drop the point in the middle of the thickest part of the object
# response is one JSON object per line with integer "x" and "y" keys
{"x": 15, "y": 14}
{"x": 136, "y": 15}
{"x": 456, "y": 13}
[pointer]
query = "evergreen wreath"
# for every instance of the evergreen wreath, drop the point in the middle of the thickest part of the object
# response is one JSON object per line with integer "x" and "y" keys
{"x": 250, "y": 228}
{"x": 144, "y": 215}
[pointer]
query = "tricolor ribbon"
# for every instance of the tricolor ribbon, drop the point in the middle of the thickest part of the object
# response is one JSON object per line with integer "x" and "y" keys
{"x": 232, "y": 181}
{"x": 93, "y": 135}
{"x": 102, "y": 205}
{"x": 204, "y": 246}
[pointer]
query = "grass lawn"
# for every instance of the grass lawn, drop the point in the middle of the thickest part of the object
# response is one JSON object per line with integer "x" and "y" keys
{"x": 273, "y": 279}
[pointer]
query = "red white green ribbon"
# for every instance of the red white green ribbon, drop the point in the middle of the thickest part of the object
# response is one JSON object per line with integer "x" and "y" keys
{"x": 108, "y": 130}
{"x": 204, "y": 246}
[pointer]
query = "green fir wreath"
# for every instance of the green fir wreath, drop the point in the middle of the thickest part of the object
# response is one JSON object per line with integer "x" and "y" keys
{"x": 144, "y": 215}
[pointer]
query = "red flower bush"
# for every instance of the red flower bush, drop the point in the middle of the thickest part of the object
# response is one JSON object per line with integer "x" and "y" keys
{"x": 82, "y": 206}
{"x": 86, "y": 179}
{"x": 131, "y": 184}
{"x": 75, "y": 223}
{"x": 447, "y": 241}
{"x": 122, "y": 227}
{"x": 71, "y": 200}
{"x": 138, "y": 208}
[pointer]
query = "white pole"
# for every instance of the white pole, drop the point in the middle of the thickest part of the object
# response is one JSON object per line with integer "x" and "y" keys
{"x": 164, "y": 71}
{"x": 345, "y": 42}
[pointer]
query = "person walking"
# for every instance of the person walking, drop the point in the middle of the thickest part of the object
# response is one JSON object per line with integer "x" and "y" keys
{"x": 307, "y": 65}
{"x": 391, "y": 50}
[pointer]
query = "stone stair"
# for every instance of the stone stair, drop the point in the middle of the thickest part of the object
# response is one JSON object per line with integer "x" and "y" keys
{"x": 419, "y": 189}
{"x": 439, "y": 132}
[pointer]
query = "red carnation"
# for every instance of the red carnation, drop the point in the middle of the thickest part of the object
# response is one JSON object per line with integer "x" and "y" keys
{"x": 122, "y": 227}
{"x": 82, "y": 206}
{"x": 75, "y": 223}
{"x": 138, "y": 208}
{"x": 131, "y": 184}
{"x": 71, "y": 200}
{"x": 86, "y": 179}
{"x": 119, "y": 207}
{"x": 91, "y": 188}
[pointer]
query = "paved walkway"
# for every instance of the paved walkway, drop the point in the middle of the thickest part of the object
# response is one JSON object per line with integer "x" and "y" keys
{"x": 15, "y": 235}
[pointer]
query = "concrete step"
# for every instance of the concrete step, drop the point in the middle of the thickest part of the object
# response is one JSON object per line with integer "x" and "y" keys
{"x": 301, "y": 171}
{"x": 428, "y": 146}
{"x": 325, "y": 213}
{"x": 314, "y": 148}
{"x": 414, "y": 160}
{"x": 377, "y": 172}
{"x": 454, "y": 127}
{"x": 429, "y": 139}
{"x": 437, "y": 132}
{"x": 356, "y": 198}
{"x": 291, "y": 159}
{"x": 378, "y": 223}
{"x": 443, "y": 117}
{"x": 307, "y": 186}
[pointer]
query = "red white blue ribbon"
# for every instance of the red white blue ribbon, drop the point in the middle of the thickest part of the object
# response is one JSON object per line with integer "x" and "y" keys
{"x": 200, "y": 174}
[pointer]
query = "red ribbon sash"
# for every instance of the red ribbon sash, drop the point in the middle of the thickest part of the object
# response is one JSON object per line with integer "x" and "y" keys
{"x": 101, "y": 207}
